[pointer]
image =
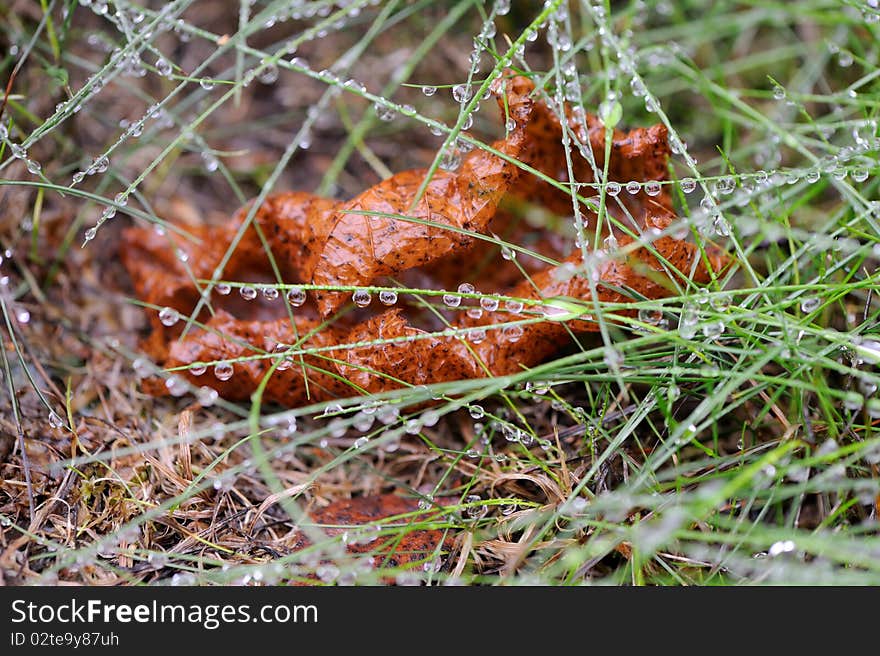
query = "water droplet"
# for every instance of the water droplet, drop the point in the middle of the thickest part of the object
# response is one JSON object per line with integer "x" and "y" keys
{"x": 55, "y": 420}
{"x": 223, "y": 289}
{"x": 206, "y": 396}
{"x": 633, "y": 187}
{"x": 477, "y": 510}
{"x": 361, "y": 297}
{"x": 269, "y": 74}
{"x": 384, "y": 112}
{"x": 512, "y": 333}
{"x": 489, "y": 304}
{"x": 612, "y": 188}
{"x": 296, "y": 296}
{"x": 476, "y": 411}
{"x": 652, "y": 188}
{"x": 429, "y": 90}
{"x": 23, "y": 316}
{"x": 33, "y": 167}
{"x": 462, "y": 93}
{"x": 451, "y": 300}
{"x": 721, "y": 226}
{"x": 450, "y": 160}
{"x": 362, "y": 421}
{"x": 412, "y": 426}
{"x": 810, "y": 304}
{"x": 687, "y": 185}
{"x": 247, "y": 293}
{"x": 164, "y": 67}
{"x": 713, "y": 329}
{"x": 859, "y": 175}
{"x": 845, "y": 59}
{"x": 388, "y": 297}
{"x": 176, "y": 385}
{"x": 197, "y": 368}
{"x": 779, "y": 93}
{"x": 269, "y": 293}
{"x": 781, "y": 547}
{"x": 513, "y": 306}
{"x": 223, "y": 370}
{"x": 332, "y": 409}
{"x": 168, "y": 316}
{"x": 387, "y": 413}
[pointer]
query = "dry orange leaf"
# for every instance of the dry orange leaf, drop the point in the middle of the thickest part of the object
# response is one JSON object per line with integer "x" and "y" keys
{"x": 382, "y": 234}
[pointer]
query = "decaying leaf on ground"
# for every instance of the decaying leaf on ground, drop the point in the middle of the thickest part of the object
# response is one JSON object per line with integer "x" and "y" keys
{"x": 393, "y": 234}
{"x": 363, "y": 515}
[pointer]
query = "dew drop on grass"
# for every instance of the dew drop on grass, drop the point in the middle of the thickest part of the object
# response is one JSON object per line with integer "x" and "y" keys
{"x": 206, "y": 83}
{"x": 388, "y": 297}
{"x": 197, "y": 368}
{"x": 362, "y": 421}
{"x": 296, "y": 296}
{"x": 512, "y": 333}
{"x": 859, "y": 175}
{"x": 206, "y": 396}
{"x": 652, "y": 188}
{"x": 384, "y": 112}
{"x": 461, "y": 93}
{"x": 688, "y": 185}
{"x": 387, "y": 413}
{"x": 451, "y": 300}
{"x": 721, "y": 226}
{"x": 223, "y": 289}
{"x": 269, "y": 293}
{"x": 412, "y": 426}
{"x": 810, "y": 304}
{"x": 476, "y": 411}
{"x": 55, "y": 420}
{"x": 852, "y": 401}
{"x": 430, "y": 418}
{"x": 780, "y": 548}
{"x": 361, "y": 442}
{"x": 612, "y": 188}
{"x": 269, "y": 74}
{"x": 633, "y": 187}
{"x": 176, "y": 385}
{"x": 476, "y": 336}
{"x": 429, "y": 90}
{"x": 223, "y": 370}
{"x": 476, "y": 511}
{"x": 33, "y": 167}
{"x": 168, "y": 316}
{"x": 332, "y": 409}
{"x": 514, "y": 307}
{"x": 713, "y": 329}
{"x": 23, "y": 316}
{"x": 489, "y": 304}
{"x": 164, "y": 67}
{"x": 361, "y": 297}
{"x": 247, "y": 293}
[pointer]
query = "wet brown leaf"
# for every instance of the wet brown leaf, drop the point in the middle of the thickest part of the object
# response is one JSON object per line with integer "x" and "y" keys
{"x": 384, "y": 233}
